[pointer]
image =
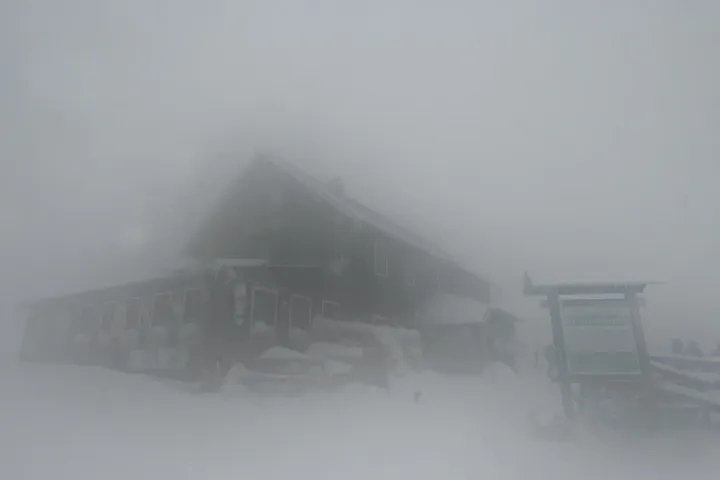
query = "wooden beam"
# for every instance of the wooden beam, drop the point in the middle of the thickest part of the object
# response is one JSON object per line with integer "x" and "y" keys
{"x": 561, "y": 355}
{"x": 639, "y": 333}
{"x": 596, "y": 288}
{"x": 574, "y": 301}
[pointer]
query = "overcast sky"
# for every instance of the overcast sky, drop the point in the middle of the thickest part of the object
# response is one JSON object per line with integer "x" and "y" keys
{"x": 577, "y": 140}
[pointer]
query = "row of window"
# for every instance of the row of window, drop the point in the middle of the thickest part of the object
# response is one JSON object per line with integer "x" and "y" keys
{"x": 297, "y": 312}
{"x": 264, "y": 308}
{"x": 163, "y": 312}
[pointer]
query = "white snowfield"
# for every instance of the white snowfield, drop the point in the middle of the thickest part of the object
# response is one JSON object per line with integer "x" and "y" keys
{"x": 74, "y": 423}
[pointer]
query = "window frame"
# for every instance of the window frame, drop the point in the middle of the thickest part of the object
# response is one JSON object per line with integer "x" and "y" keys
{"x": 382, "y": 247}
{"x": 246, "y": 316}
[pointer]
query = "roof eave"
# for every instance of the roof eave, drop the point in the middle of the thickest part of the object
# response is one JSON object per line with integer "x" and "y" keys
{"x": 585, "y": 288}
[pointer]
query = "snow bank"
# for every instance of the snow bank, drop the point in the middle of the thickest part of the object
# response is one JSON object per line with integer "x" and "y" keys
{"x": 709, "y": 378}
{"x": 234, "y": 380}
{"x": 334, "y": 350}
{"x": 292, "y": 372}
{"x": 402, "y": 347}
{"x": 334, "y": 367}
{"x": 282, "y": 353}
{"x": 78, "y": 423}
{"x": 500, "y": 374}
{"x": 325, "y": 329}
{"x": 300, "y": 338}
{"x": 713, "y": 360}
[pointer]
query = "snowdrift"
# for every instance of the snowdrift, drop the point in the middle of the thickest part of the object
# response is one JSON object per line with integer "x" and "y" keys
{"x": 332, "y": 353}
{"x": 400, "y": 347}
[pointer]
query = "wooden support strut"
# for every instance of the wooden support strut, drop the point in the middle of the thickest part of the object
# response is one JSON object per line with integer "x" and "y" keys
{"x": 560, "y": 354}
{"x": 639, "y": 333}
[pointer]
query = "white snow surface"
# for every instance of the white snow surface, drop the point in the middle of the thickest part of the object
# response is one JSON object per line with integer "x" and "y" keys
{"x": 402, "y": 346}
{"x": 282, "y": 353}
{"x": 334, "y": 350}
{"x": 706, "y": 359}
{"x": 707, "y": 377}
{"x": 74, "y": 423}
{"x": 336, "y": 367}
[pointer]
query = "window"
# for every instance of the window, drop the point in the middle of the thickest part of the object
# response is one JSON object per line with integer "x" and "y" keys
{"x": 195, "y": 306}
{"x": 163, "y": 313}
{"x": 380, "y": 259}
{"x": 331, "y": 309}
{"x": 132, "y": 313}
{"x": 264, "y": 306}
{"x": 300, "y": 312}
{"x": 108, "y": 317}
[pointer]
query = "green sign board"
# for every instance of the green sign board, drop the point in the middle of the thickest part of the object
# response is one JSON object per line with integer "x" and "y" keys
{"x": 599, "y": 337}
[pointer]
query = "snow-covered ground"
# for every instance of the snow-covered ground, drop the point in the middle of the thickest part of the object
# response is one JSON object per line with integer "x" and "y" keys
{"x": 62, "y": 423}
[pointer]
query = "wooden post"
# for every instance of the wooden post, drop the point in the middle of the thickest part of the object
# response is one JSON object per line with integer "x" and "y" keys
{"x": 560, "y": 354}
{"x": 640, "y": 343}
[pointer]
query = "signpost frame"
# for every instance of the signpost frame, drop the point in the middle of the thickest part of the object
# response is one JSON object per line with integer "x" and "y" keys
{"x": 558, "y": 293}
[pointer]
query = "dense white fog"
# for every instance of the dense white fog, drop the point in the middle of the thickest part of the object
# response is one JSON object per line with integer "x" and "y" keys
{"x": 576, "y": 142}
{"x": 572, "y": 140}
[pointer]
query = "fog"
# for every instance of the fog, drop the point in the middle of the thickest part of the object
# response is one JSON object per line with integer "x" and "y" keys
{"x": 574, "y": 141}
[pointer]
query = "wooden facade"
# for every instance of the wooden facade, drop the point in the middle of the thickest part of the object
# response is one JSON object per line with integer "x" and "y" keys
{"x": 313, "y": 252}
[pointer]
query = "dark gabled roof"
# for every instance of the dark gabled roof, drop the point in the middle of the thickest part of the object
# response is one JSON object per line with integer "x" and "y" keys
{"x": 360, "y": 213}
{"x": 181, "y": 266}
{"x": 346, "y": 206}
{"x": 328, "y": 193}
{"x": 355, "y": 210}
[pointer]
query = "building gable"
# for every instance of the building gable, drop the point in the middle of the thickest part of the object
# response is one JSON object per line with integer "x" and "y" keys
{"x": 276, "y": 210}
